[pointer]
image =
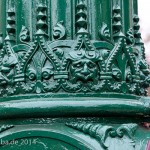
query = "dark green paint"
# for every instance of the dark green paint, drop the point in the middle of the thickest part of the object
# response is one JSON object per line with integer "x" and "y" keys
{"x": 73, "y": 75}
{"x": 57, "y": 107}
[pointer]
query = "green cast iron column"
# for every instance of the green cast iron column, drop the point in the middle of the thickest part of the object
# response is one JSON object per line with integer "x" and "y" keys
{"x": 65, "y": 11}
{"x": 73, "y": 76}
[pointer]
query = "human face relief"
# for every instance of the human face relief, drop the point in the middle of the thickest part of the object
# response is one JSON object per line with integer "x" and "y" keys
{"x": 84, "y": 69}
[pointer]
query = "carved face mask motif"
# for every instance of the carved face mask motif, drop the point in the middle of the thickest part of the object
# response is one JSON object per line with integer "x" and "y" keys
{"x": 84, "y": 70}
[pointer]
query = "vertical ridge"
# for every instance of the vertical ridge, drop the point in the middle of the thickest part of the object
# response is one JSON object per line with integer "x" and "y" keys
{"x": 135, "y": 6}
{"x": 73, "y": 4}
{"x": 49, "y": 20}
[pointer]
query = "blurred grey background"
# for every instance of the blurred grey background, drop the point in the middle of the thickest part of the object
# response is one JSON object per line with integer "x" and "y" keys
{"x": 144, "y": 14}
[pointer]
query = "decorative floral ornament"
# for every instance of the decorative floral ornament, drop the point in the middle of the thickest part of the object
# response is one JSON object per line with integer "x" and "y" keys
{"x": 59, "y": 31}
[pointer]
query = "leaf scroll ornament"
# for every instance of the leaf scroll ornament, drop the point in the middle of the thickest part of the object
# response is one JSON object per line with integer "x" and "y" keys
{"x": 104, "y": 33}
{"x": 24, "y": 35}
{"x": 104, "y": 132}
{"x": 59, "y": 31}
{"x": 130, "y": 37}
{"x": 97, "y": 131}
